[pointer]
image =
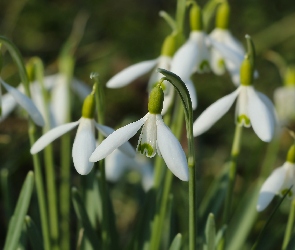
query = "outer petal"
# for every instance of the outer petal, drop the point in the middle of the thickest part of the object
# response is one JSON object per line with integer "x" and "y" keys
{"x": 126, "y": 147}
{"x": 51, "y": 135}
{"x": 26, "y": 103}
{"x": 8, "y": 105}
{"x": 131, "y": 73}
{"x": 171, "y": 151}
{"x": 192, "y": 92}
{"x": 60, "y": 100}
{"x": 83, "y": 146}
{"x": 213, "y": 113}
{"x": 270, "y": 187}
{"x": 185, "y": 59}
{"x": 261, "y": 117}
{"x": 116, "y": 139}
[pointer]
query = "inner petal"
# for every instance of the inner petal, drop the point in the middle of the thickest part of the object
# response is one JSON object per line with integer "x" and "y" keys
{"x": 148, "y": 137}
{"x": 242, "y": 115}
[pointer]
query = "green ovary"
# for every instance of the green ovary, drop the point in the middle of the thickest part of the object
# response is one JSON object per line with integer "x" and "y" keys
{"x": 145, "y": 148}
{"x": 246, "y": 120}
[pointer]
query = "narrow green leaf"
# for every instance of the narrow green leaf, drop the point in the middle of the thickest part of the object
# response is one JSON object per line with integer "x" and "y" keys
{"x": 176, "y": 243}
{"x": 210, "y": 232}
{"x": 219, "y": 237}
{"x": 17, "y": 220}
{"x": 242, "y": 222}
{"x": 84, "y": 220}
{"x": 6, "y": 194}
{"x": 291, "y": 245}
{"x": 34, "y": 234}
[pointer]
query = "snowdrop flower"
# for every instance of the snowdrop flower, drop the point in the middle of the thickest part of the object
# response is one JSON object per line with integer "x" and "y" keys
{"x": 228, "y": 52}
{"x": 117, "y": 163}
{"x": 84, "y": 143}
{"x": 279, "y": 182}
{"x": 253, "y": 108}
{"x": 284, "y": 98}
{"x": 56, "y": 84}
{"x": 14, "y": 97}
{"x": 155, "y": 137}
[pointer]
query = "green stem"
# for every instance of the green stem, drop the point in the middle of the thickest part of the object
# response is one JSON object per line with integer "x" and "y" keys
{"x": 32, "y": 128}
{"x": 232, "y": 172}
{"x": 40, "y": 190}
{"x": 290, "y": 225}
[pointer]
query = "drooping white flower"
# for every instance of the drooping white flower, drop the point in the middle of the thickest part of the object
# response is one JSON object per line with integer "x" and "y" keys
{"x": 14, "y": 97}
{"x": 253, "y": 108}
{"x": 279, "y": 182}
{"x": 155, "y": 137}
{"x": 85, "y": 142}
{"x": 117, "y": 163}
{"x": 58, "y": 106}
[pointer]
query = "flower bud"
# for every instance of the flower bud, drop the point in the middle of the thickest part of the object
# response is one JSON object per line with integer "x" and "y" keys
{"x": 156, "y": 99}
{"x": 222, "y": 16}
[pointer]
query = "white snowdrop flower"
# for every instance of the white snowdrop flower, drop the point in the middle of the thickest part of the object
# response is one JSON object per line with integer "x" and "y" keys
{"x": 279, "y": 182}
{"x": 155, "y": 137}
{"x": 117, "y": 163}
{"x": 226, "y": 51}
{"x": 84, "y": 143}
{"x": 14, "y": 96}
{"x": 253, "y": 108}
{"x": 56, "y": 84}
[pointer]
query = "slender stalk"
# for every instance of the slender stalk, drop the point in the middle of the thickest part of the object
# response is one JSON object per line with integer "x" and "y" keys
{"x": 290, "y": 225}
{"x": 232, "y": 172}
{"x": 49, "y": 163}
{"x": 40, "y": 190}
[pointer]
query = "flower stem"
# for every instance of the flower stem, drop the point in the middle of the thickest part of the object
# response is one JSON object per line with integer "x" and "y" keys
{"x": 290, "y": 225}
{"x": 232, "y": 172}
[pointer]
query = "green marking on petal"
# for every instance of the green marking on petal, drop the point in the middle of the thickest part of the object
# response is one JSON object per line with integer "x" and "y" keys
{"x": 146, "y": 149}
{"x": 204, "y": 65}
{"x": 221, "y": 63}
{"x": 243, "y": 119}
{"x": 284, "y": 191}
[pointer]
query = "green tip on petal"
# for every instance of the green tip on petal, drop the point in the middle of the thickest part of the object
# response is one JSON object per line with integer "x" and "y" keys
{"x": 204, "y": 65}
{"x": 222, "y": 16}
{"x": 196, "y": 18}
{"x": 243, "y": 119}
{"x": 169, "y": 46}
{"x": 146, "y": 148}
{"x": 156, "y": 99}
{"x": 88, "y": 107}
{"x": 289, "y": 77}
{"x": 246, "y": 72}
{"x": 291, "y": 154}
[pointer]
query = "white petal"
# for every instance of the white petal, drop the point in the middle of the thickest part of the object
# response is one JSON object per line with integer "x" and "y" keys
{"x": 171, "y": 151}
{"x": 270, "y": 187}
{"x": 261, "y": 117}
{"x": 80, "y": 88}
{"x": 51, "y": 135}
{"x": 8, "y": 105}
{"x": 126, "y": 147}
{"x": 131, "y": 73}
{"x": 26, "y": 103}
{"x": 83, "y": 146}
{"x": 116, "y": 139}
{"x": 51, "y": 80}
{"x": 213, "y": 113}
{"x": 116, "y": 164}
{"x": 192, "y": 92}
{"x": 185, "y": 58}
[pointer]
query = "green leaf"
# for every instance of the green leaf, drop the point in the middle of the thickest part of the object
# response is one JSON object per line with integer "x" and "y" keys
{"x": 210, "y": 232}
{"x": 34, "y": 234}
{"x": 84, "y": 219}
{"x": 219, "y": 237}
{"x": 176, "y": 243}
{"x": 17, "y": 220}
